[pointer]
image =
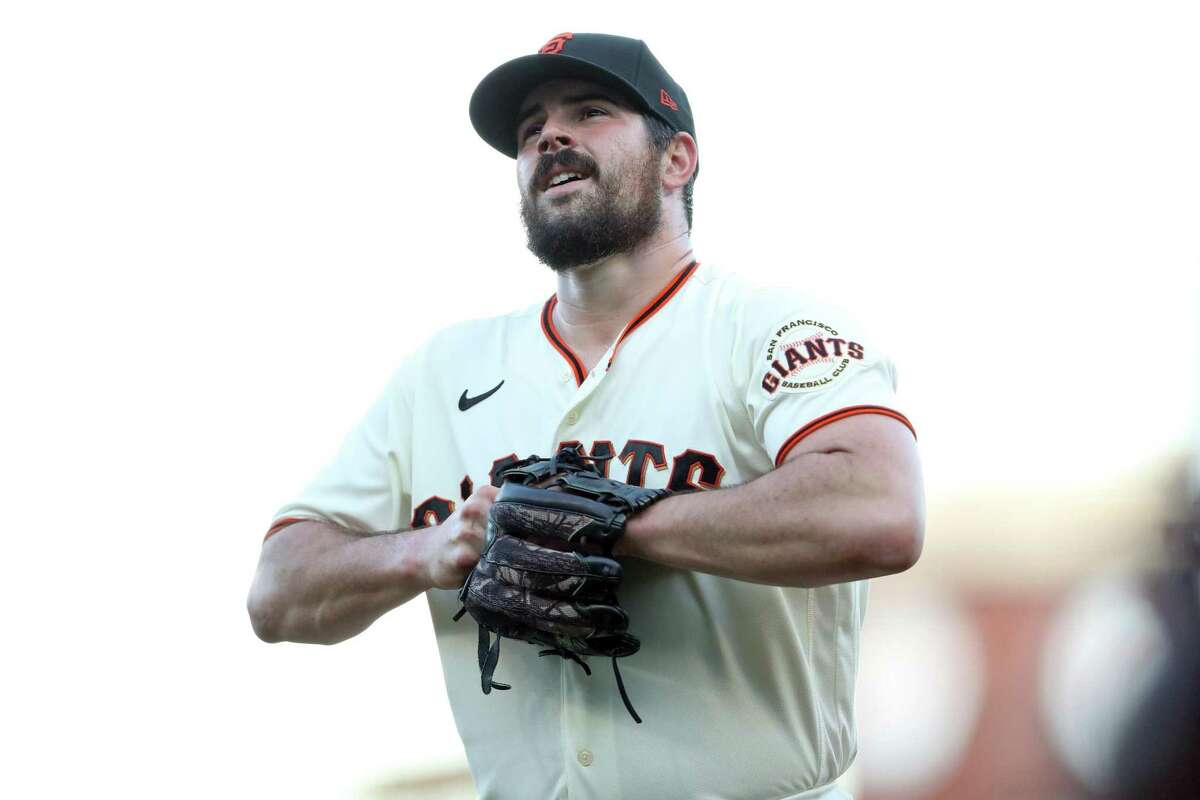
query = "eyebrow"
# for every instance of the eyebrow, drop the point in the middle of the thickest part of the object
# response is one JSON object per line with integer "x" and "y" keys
{"x": 538, "y": 108}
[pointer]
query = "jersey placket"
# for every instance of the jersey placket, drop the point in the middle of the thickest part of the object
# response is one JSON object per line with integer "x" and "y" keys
{"x": 587, "y": 382}
{"x": 588, "y": 744}
{"x": 577, "y": 375}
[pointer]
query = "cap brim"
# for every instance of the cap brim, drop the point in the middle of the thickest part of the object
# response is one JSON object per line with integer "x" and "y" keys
{"x": 498, "y": 97}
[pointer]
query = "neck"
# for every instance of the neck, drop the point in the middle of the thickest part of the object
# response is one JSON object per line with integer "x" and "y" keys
{"x": 595, "y": 301}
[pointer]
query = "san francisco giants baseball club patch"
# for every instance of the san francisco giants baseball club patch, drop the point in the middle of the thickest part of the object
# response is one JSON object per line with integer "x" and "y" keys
{"x": 805, "y": 354}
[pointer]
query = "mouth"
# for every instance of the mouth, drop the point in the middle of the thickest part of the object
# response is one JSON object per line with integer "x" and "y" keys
{"x": 559, "y": 179}
{"x": 564, "y": 182}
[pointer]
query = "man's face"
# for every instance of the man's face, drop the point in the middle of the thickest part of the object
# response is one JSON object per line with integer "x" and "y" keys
{"x": 590, "y": 182}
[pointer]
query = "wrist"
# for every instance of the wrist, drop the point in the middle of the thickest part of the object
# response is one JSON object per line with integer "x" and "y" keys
{"x": 412, "y": 563}
{"x": 640, "y": 527}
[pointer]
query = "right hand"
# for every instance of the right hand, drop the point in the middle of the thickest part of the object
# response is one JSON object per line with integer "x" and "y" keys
{"x": 455, "y": 545}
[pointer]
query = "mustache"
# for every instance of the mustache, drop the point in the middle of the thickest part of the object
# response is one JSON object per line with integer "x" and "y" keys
{"x": 570, "y": 159}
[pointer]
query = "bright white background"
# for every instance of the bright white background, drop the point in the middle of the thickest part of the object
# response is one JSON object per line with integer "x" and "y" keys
{"x": 222, "y": 224}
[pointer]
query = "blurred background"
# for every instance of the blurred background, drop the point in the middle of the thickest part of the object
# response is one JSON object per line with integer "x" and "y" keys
{"x": 222, "y": 224}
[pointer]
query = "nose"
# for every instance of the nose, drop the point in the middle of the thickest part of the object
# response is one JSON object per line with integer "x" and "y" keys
{"x": 554, "y": 137}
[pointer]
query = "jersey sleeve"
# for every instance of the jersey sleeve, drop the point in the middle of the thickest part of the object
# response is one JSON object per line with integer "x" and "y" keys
{"x": 367, "y": 486}
{"x": 812, "y": 364}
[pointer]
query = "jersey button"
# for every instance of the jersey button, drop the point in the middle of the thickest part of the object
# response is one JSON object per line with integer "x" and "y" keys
{"x": 572, "y": 418}
{"x": 585, "y": 757}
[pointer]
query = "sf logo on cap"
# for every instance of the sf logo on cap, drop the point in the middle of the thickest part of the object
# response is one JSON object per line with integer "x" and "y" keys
{"x": 556, "y": 44}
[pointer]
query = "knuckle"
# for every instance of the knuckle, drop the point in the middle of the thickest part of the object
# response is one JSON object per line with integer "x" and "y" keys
{"x": 480, "y": 500}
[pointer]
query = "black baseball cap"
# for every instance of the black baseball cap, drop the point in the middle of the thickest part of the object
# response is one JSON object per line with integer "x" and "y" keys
{"x": 625, "y": 65}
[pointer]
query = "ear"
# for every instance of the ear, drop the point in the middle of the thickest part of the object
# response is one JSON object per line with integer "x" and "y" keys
{"x": 682, "y": 157}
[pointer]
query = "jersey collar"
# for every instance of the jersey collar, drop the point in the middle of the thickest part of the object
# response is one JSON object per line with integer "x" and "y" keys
{"x": 649, "y": 310}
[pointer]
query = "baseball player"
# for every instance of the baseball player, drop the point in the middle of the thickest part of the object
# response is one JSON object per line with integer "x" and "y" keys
{"x": 767, "y": 416}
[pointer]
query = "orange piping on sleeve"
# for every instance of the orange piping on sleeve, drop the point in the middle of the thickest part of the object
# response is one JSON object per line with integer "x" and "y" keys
{"x": 834, "y": 416}
{"x": 280, "y": 524}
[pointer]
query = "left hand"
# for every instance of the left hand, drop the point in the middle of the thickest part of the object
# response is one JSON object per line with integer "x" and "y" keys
{"x": 563, "y": 600}
{"x": 547, "y": 574}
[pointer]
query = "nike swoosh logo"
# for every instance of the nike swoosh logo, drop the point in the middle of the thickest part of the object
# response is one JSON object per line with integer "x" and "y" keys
{"x": 465, "y": 402}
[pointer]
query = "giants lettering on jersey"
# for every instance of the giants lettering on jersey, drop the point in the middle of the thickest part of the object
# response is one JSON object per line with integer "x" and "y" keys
{"x": 806, "y": 354}
{"x": 691, "y": 470}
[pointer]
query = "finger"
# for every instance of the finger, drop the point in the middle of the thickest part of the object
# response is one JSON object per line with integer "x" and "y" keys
{"x": 602, "y": 643}
{"x": 523, "y": 607}
{"x": 551, "y": 572}
{"x": 556, "y": 519}
{"x": 617, "y": 644}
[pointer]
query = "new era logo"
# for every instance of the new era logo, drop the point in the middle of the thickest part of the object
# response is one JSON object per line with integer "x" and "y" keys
{"x": 666, "y": 100}
{"x": 556, "y": 44}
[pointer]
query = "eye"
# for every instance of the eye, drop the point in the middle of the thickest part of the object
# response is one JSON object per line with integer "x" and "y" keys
{"x": 594, "y": 111}
{"x": 530, "y": 131}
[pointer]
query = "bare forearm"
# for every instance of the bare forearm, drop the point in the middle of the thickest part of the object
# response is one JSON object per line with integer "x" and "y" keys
{"x": 322, "y": 584}
{"x": 816, "y": 520}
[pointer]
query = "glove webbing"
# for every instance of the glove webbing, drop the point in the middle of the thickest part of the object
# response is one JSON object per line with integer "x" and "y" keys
{"x": 565, "y": 461}
{"x": 489, "y": 656}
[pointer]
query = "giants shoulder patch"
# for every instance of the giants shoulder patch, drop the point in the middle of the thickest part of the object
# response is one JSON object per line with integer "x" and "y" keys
{"x": 804, "y": 354}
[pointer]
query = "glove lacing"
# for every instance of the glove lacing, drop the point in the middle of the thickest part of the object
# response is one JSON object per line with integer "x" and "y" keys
{"x": 489, "y": 656}
{"x": 489, "y": 651}
{"x": 616, "y": 672}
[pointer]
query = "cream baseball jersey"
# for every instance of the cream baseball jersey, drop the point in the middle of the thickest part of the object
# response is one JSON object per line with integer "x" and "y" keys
{"x": 746, "y": 690}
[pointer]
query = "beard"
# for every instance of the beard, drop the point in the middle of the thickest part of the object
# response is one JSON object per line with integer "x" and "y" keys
{"x": 622, "y": 211}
